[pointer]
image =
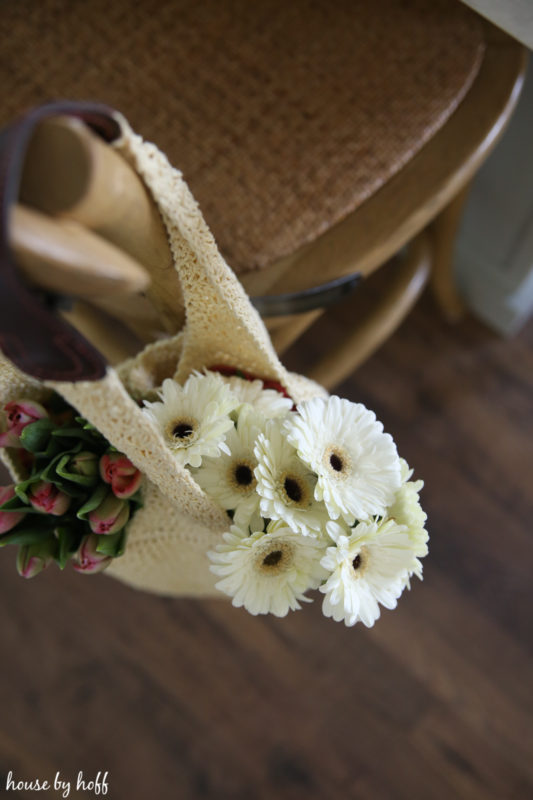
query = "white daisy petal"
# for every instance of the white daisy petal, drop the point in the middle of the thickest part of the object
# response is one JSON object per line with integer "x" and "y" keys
{"x": 366, "y": 569}
{"x": 193, "y": 418}
{"x": 286, "y": 485}
{"x": 267, "y": 402}
{"x": 229, "y": 479}
{"x": 357, "y": 464}
{"x": 267, "y": 572}
{"x": 335, "y": 529}
{"x": 406, "y": 510}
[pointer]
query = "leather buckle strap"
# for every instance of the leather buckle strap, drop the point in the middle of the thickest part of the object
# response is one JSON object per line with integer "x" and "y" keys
{"x": 323, "y": 296}
{"x": 37, "y": 341}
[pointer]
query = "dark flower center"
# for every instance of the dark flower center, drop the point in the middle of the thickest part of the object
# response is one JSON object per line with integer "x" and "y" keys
{"x": 336, "y": 462}
{"x": 356, "y": 563}
{"x": 243, "y": 475}
{"x": 293, "y": 490}
{"x": 182, "y": 430}
{"x": 273, "y": 558}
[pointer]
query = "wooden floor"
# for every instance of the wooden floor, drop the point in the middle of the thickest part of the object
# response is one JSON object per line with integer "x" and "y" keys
{"x": 182, "y": 699}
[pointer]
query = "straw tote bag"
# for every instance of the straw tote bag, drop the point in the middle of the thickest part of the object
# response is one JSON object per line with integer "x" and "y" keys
{"x": 170, "y": 535}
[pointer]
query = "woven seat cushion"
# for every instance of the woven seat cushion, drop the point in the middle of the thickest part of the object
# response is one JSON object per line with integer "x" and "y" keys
{"x": 283, "y": 116}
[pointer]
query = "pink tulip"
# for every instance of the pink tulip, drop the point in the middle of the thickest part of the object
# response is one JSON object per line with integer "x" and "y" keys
{"x": 8, "y": 519}
{"x": 9, "y": 439}
{"x": 48, "y": 498}
{"x": 110, "y": 516}
{"x": 19, "y": 414}
{"x": 117, "y": 469}
{"x": 88, "y": 559}
{"x": 30, "y": 562}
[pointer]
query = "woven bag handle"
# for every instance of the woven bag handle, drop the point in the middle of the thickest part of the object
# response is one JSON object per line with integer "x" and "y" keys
{"x": 221, "y": 327}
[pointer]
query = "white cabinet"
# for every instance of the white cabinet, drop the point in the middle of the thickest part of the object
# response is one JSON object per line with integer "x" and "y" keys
{"x": 494, "y": 251}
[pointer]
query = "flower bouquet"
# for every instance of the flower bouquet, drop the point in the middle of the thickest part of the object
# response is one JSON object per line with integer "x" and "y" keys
{"x": 261, "y": 488}
{"x": 316, "y": 496}
{"x": 78, "y": 496}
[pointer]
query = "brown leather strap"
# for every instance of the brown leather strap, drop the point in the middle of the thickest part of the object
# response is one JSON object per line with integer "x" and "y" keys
{"x": 36, "y": 340}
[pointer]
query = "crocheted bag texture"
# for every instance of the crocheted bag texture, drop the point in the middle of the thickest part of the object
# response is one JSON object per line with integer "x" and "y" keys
{"x": 170, "y": 536}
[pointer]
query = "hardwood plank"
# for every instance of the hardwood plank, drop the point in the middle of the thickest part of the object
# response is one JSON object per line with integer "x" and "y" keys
{"x": 188, "y": 699}
{"x": 466, "y": 661}
{"x": 472, "y": 763}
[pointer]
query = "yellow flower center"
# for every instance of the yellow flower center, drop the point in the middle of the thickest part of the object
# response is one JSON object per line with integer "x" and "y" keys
{"x": 360, "y": 563}
{"x": 275, "y": 558}
{"x": 294, "y": 490}
{"x": 182, "y": 432}
{"x": 337, "y": 462}
{"x": 241, "y": 476}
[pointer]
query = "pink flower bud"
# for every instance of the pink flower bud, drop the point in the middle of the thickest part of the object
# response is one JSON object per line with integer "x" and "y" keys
{"x": 110, "y": 516}
{"x": 30, "y": 562}
{"x": 117, "y": 469}
{"x": 19, "y": 414}
{"x": 84, "y": 463}
{"x": 9, "y": 439}
{"x": 48, "y": 498}
{"x": 88, "y": 559}
{"x": 8, "y": 519}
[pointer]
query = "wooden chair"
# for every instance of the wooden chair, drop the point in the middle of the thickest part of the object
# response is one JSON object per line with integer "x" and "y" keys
{"x": 320, "y": 138}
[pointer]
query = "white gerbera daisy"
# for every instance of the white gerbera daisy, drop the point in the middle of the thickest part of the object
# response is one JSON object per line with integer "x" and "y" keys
{"x": 267, "y": 572}
{"x": 267, "y": 402}
{"x": 406, "y": 510}
{"x": 357, "y": 463}
{"x": 230, "y": 479}
{"x": 366, "y": 568}
{"x": 286, "y": 484}
{"x": 194, "y": 418}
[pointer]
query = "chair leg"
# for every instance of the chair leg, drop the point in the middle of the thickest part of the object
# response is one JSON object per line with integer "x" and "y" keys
{"x": 381, "y": 323}
{"x": 292, "y": 328}
{"x": 444, "y": 230}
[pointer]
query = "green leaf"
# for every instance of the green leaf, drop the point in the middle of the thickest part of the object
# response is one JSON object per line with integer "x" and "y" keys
{"x": 21, "y": 501}
{"x": 88, "y": 426}
{"x": 93, "y": 502}
{"x": 69, "y": 541}
{"x": 50, "y": 468}
{"x": 31, "y": 510}
{"x": 36, "y": 436}
{"x": 26, "y": 535}
{"x": 122, "y": 548}
{"x": 22, "y": 487}
{"x": 48, "y": 472}
{"x": 112, "y": 545}
{"x": 73, "y": 433}
{"x": 13, "y": 504}
{"x": 66, "y": 482}
{"x": 62, "y": 470}
{"x": 85, "y": 423}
